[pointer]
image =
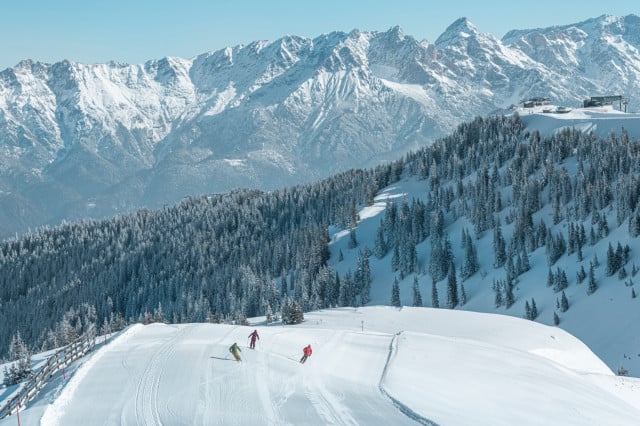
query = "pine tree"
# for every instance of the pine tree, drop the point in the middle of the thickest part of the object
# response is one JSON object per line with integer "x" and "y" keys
{"x": 292, "y": 312}
{"x": 556, "y": 319}
{"x": 527, "y": 310}
{"x": 417, "y": 297}
{"x": 560, "y": 280}
{"x": 580, "y": 275}
{"x": 20, "y": 353}
{"x": 353, "y": 241}
{"x": 525, "y": 260}
{"x": 471, "y": 264}
{"x": 611, "y": 261}
{"x": 395, "y": 259}
{"x": 592, "y": 237}
{"x": 592, "y": 280}
{"x": 434, "y": 295}
{"x": 534, "y": 309}
{"x": 508, "y": 294}
{"x": 8, "y": 377}
{"x": 564, "y": 303}
{"x": 452, "y": 287}
{"x": 395, "y": 294}
{"x": 622, "y": 273}
{"x": 498, "y": 294}
{"x": 463, "y": 295}
{"x": 380, "y": 245}
{"x": 283, "y": 283}
{"x": 499, "y": 247}
{"x": 580, "y": 256}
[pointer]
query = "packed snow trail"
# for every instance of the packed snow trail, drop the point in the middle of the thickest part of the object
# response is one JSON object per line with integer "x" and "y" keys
{"x": 182, "y": 374}
{"x": 375, "y": 365}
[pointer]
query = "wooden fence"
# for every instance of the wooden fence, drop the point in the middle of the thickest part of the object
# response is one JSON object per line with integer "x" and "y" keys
{"x": 55, "y": 362}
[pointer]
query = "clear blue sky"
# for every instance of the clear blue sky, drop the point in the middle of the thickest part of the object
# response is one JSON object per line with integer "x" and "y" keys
{"x": 134, "y": 31}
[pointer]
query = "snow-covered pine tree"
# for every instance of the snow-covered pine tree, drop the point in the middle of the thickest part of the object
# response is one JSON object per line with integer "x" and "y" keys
{"x": 21, "y": 355}
{"x": 417, "y": 297}
{"x": 353, "y": 241}
{"x": 395, "y": 259}
{"x": 380, "y": 245}
{"x": 564, "y": 303}
{"x": 611, "y": 261}
{"x": 463, "y": 295}
{"x": 622, "y": 273}
{"x": 581, "y": 274}
{"x": 499, "y": 246}
{"x": 470, "y": 265}
{"x": 592, "y": 280}
{"x": 395, "y": 294}
{"x": 534, "y": 309}
{"x": 509, "y": 298}
{"x": 452, "y": 287}
{"x": 497, "y": 288}
{"x": 292, "y": 312}
{"x": 435, "y": 302}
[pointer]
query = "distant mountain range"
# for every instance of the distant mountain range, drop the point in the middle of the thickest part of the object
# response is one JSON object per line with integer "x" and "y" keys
{"x": 82, "y": 141}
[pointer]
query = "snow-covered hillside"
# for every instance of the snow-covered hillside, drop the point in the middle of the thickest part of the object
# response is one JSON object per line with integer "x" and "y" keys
{"x": 605, "y": 321}
{"x": 602, "y": 121}
{"x": 91, "y": 140}
{"x": 376, "y": 365}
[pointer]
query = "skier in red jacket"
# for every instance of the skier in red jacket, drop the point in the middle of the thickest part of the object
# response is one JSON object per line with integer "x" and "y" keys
{"x": 253, "y": 337}
{"x": 306, "y": 353}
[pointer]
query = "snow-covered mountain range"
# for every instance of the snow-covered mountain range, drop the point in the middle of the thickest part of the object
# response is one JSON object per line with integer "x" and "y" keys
{"x": 83, "y": 140}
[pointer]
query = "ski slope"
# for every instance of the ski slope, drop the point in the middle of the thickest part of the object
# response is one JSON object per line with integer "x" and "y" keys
{"x": 602, "y": 121}
{"x": 375, "y": 365}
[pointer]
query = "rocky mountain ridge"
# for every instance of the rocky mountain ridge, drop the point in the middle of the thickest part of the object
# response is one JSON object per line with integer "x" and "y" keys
{"x": 81, "y": 141}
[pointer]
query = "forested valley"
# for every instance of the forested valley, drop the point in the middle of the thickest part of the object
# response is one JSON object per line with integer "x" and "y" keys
{"x": 226, "y": 257}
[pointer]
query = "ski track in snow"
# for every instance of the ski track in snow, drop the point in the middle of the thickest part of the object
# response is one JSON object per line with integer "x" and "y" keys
{"x": 328, "y": 406}
{"x": 146, "y": 406}
{"x": 208, "y": 409}
{"x": 393, "y": 350}
{"x": 183, "y": 374}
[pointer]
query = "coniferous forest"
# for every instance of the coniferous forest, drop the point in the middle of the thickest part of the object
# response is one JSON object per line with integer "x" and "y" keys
{"x": 248, "y": 253}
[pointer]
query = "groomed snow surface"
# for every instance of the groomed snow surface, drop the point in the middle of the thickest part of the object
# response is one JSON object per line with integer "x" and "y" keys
{"x": 602, "y": 121}
{"x": 370, "y": 366}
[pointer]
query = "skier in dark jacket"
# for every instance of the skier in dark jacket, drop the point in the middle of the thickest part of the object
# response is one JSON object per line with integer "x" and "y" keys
{"x": 306, "y": 354}
{"x": 235, "y": 349}
{"x": 253, "y": 337}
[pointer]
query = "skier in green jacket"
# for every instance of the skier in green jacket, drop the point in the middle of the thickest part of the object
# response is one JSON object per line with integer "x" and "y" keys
{"x": 235, "y": 349}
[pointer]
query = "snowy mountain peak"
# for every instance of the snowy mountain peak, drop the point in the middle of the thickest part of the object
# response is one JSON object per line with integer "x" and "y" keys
{"x": 459, "y": 30}
{"x": 274, "y": 113}
{"x": 396, "y": 32}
